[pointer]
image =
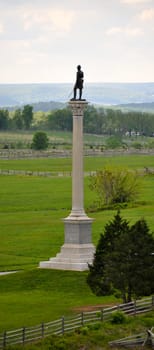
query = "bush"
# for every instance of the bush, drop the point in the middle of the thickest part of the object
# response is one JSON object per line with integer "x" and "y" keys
{"x": 114, "y": 142}
{"x": 114, "y": 186}
{"x": 118, "y": 317}
{"x": 137, "y": 145}
{"x": 40, "y": 141}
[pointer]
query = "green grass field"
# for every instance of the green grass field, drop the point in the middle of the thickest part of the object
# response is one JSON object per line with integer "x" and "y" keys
{"x": 90, "y": 163}
{"x": 31, "y": 230}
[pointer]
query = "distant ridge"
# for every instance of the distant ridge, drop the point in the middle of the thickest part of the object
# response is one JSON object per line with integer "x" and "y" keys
{"x": 94, "y": 93}
{"x": 40, "y": 106}
{"x": 144, "y": 107}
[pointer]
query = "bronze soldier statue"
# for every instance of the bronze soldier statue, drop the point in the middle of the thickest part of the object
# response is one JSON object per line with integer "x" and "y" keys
{"x": 78, "y": 83}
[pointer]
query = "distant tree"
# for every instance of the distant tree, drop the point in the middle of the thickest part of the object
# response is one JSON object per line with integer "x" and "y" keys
{"x": 60, "y": 120}
{"x": 114, "y": 186}
{"x": 40, "y": 141}
{"x": 4, "y": 119}
{"x": 123, "y": 260}
{"x": 17, "y": 119}
{"x": 27, "y": 115}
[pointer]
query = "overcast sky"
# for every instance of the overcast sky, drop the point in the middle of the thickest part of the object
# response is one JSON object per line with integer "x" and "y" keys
{"x": 44, "y": 40}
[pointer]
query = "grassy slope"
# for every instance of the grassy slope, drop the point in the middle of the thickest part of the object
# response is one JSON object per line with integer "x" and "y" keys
{"x": 30, "y": 297}
{"x": 31, "y": 230}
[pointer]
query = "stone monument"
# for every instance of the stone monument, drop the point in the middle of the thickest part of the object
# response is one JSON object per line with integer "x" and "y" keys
{"x": 78, "y": 249}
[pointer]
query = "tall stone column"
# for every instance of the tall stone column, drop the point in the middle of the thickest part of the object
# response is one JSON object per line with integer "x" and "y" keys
{"x": 78, "y": 249}
{"x": 77, "y": 159}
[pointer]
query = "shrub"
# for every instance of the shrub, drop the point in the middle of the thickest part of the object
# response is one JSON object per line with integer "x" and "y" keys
{"x": 118, "y": 317}
{"x": 40, "y": 141}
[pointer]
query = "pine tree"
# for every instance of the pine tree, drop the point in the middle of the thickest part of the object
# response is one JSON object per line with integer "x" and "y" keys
{"x": 124, "y": 260}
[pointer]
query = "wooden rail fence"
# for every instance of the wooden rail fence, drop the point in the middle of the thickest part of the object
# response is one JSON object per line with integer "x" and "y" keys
{"x": 41, "y": 173}
{"x": 29, "y": 334}
{"x": 32, "y": 154}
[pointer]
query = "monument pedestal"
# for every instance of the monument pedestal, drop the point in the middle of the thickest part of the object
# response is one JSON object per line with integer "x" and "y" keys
{"x": 77, "y": 250}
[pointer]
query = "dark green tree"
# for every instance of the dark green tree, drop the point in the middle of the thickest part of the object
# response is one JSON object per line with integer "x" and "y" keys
{"x": 123, "y": 260}
{"x": 17, "y": 119}
{"x": 60, "y": 120}
{"x": 27, "y": 115}
{"x": 40, "y": 141}
{"x": 4, "y": 119}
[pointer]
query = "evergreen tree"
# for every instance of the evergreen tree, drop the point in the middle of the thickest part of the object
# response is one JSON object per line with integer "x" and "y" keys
{"x": 123, "y": 260}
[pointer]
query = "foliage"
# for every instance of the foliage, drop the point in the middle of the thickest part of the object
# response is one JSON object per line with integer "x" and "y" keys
{"x": 136, "y": 145}
{"x": 114, "y": 142}
{"x": 40, "y": 140}
{"x": 27, "y": 115}
{"x": 4, "y": 119}
{"x": 123, "y": 256}
{"x": 114, "y": 186}
{"x": 100, "y": 121}
{"x": 118, "y": 317}
{"x": 60, "y": 120}
{"x": 18, "y": 119}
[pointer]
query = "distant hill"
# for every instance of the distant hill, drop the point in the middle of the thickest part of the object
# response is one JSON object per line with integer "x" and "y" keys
{"x": 95, "y": 93}
{"x": 144, "y": 107}
{"x": 41, "y": 106}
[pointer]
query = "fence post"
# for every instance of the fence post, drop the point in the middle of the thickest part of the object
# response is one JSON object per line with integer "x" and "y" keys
{"x": 4, "y": 339}
{"x": 23, "y": 335}
{"x": 102, "y": 315}
{"x": 135, "y": 307}
{"x": 42, "y": 329}
{"x": 63, "y": 325}
{"x": 152, "y": 302}
{"x": 82, "y": 318}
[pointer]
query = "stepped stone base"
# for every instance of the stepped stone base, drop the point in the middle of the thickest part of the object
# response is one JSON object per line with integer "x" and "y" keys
{"x": 77, "y": 250}
{"x": 72, "y": 257}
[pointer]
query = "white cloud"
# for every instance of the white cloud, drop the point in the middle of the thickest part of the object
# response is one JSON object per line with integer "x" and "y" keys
{"x": 134, "y": 2}
{"x": 147, "y": 14}
{"x": 49, "y": 19}
{"x": 1, "y": 28}
{"x": 39, "y": 38}
{"x": 127, "y": 31}
{"x": 114, "y": 30}
{"x": 134, "y": 32}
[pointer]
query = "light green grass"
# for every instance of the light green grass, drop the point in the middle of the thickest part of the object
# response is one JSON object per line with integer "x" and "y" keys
{"x": 31, "y": 230}
{"x": 31, "y": 210}
{"x": 90, "y": 163}
{"x": 29, "y": 298}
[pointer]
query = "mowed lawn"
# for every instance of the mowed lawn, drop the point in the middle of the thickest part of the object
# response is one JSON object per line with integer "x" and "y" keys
{"x": 32, "y": 230}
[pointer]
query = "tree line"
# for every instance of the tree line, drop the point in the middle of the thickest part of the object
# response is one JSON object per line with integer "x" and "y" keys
{"x": 100, "y": 120}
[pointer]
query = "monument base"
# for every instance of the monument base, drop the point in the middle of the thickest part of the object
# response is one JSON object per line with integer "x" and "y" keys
{"x": 72, "y": 257}
{"x": 77, "y": 251}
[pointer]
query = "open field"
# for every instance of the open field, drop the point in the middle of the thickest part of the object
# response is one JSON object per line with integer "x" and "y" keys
{"x": 31, "y": 230}
{"x": 90, "y": 163}
{"x": 60, "y": 137}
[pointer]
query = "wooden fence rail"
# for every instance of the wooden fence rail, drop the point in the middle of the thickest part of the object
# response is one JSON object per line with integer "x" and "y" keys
{"x": 29, "y": 334}
{"x": 31, "y": 154}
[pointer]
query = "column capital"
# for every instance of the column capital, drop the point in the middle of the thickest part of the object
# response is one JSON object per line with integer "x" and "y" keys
{"x": 78, "y": 106}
